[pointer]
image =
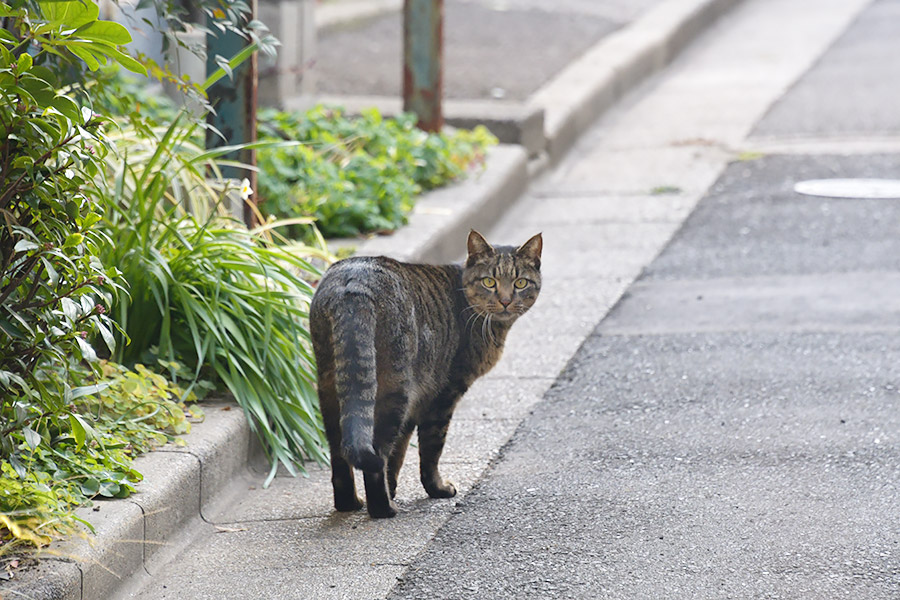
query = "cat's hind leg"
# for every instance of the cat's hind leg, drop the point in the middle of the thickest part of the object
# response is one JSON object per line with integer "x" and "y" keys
{"x": 342, "y": 480}
{"x": 398, "y": 454}
{"x": 390, "y": 416}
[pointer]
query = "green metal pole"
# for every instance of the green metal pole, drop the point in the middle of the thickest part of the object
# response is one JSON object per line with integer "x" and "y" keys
{"x": 423, "y": 47}
{"x": 234, "y": 103}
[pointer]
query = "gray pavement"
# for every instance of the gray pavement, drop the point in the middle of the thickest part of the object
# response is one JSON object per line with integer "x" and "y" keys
{"x": 731, "y": 428}
{"x": 747, "y": 449}
{"x": 493, "y": 49}
{"x": 854, "y": 91}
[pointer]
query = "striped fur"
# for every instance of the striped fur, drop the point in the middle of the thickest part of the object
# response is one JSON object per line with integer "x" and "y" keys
{"x": 397, "y": 345}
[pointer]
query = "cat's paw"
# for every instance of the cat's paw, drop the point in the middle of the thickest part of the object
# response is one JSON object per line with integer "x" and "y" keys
{"x": 444, "y": 489}
{"x": 382, "y": 511}
{"x": 347, "y": 504}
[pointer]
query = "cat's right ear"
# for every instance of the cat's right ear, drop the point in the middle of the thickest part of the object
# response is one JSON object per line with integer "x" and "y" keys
{"x": 532, "y": 249}
{"x": 477, "y": 245}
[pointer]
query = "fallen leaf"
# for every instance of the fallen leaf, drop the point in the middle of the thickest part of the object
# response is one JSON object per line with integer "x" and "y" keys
{"x": 220, "y": 529}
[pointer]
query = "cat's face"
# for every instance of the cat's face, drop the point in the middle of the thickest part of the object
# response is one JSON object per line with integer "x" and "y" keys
{"x": 502, "y": 282}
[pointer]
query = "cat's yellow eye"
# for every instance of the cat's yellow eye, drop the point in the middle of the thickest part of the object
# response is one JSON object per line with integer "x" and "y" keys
{"x": 521, "y": 283}
{"x": 488, "y": 282}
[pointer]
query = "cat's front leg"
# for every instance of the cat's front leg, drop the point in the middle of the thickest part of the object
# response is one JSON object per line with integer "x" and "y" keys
{"x": 432, "y": 435}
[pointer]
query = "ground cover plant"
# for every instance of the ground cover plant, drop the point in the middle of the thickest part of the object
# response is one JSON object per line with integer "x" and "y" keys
{"x": 357, "y": 174}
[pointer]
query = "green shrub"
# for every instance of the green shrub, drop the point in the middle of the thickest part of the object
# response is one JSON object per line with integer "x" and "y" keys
{"x": 53, "y": 290}
{"x": 62, "y": 439}
{"x": 359, "y": 174}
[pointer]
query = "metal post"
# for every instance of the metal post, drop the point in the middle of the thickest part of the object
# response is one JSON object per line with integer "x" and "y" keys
{"x": 423, "y": 47}
{"x": 234, "y": 102}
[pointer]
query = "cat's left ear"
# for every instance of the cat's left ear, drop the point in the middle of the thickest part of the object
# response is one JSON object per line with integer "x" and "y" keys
{"x": 477, "y": 245}
{"x": 532, "y": 249}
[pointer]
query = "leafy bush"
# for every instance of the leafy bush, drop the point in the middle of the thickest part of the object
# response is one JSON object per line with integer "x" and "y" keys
{"x": 360, "y": 174}
{"x": 61, "y": 437}
{"x": 52, "y": 288}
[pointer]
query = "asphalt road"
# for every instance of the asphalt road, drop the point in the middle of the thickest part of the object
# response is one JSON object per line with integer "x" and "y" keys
{"x": 854, "y": 90}
{"x": 493, "y": 49}
{"x": 731, "y": 429}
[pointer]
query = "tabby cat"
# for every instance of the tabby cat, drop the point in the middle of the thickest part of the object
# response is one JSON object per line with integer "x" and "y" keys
{"x": 397, "y": 345}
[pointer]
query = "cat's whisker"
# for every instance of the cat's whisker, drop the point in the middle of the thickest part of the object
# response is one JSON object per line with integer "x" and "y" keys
{"x": 470, "y": 323}
{"x": 470, "y": 307}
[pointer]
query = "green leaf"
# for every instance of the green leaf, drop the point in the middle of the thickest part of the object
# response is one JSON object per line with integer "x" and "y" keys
{"x": 87, "y": 390}
{"x": 70, "y": 308}
{"x": 73, "y": 239}
{"x": 32, "y": 437}
{"x": 108, "y": 337}
{"x": 71, "y": 15}
{"x": 45, "y": 74}
{"x": 67, "y": 107}
{"x": 86, "y": 54}
{"x": 87, "y": 351}
{"x": 79, "y": 431}
{"x": 24, "y": 246}
{"x": 24, "y": 63}
{"x": 52, "y": 275}
{"x": 105, "y": 31}
{"x": 121, "y": 58}
{"x": 109, "y": 489}
{"x": 90, "y": 487}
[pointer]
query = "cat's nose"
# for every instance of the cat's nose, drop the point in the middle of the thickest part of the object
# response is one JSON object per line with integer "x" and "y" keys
{"x": 505, "y": 301}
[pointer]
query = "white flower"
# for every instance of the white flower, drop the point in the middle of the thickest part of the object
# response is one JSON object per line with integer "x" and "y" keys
{"x": 246, "y": 190}
{"x": 69, "y": 173}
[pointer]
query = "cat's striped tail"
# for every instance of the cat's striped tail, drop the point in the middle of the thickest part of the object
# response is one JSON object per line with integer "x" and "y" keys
{"x": 355, "y": 378}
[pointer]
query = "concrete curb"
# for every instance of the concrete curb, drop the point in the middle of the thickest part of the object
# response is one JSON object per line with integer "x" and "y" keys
{"x": 179, "y": 482}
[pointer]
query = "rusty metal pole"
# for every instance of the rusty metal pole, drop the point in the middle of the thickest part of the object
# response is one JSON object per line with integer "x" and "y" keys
{"x": 234, "y": 102}
{"x": 423, "y": 72}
